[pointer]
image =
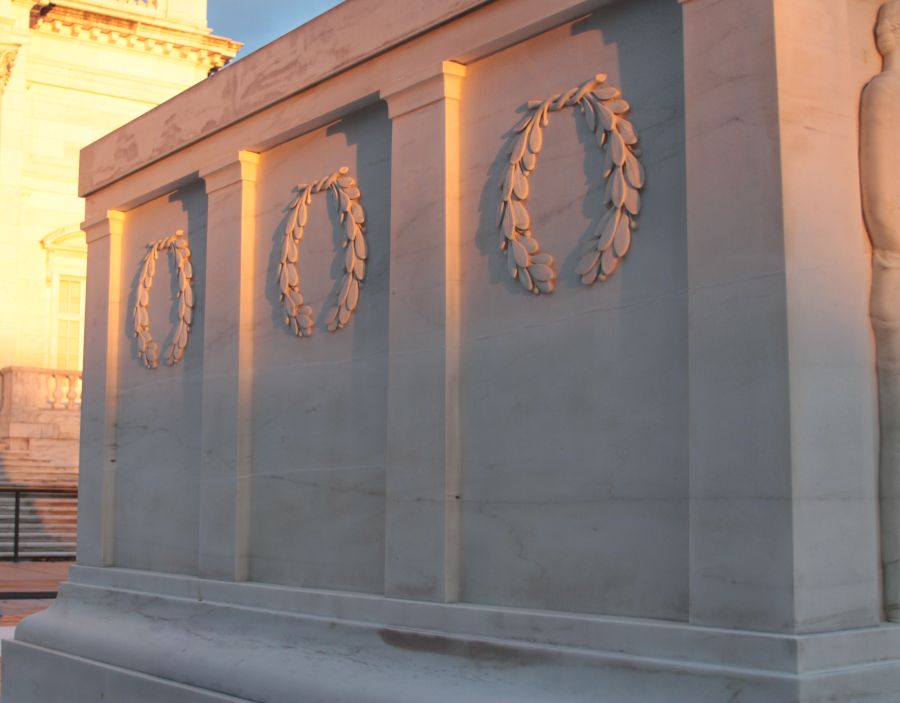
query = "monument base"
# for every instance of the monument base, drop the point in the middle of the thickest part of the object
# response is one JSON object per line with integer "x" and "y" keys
{"x": 119, "y": 635}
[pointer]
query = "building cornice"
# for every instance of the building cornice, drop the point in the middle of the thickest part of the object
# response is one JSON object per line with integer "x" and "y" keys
{"x": 149, "y": 35}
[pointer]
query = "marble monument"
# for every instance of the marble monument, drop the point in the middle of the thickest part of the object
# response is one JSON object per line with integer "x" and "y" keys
{"x": 508, "y": 350}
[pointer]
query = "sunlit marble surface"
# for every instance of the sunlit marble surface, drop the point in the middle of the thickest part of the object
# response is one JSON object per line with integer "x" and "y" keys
{"x": 661, "y": 487}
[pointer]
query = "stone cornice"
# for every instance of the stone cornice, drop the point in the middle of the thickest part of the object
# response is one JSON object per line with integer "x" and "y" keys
{"x": 429, "y": 86}
{"x": 205, "y": 49}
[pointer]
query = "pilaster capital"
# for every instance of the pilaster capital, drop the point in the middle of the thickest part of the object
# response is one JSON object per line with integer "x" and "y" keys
{"x": 440, "y": 82}
{"x": 237, "y": 167}
{"x": 112, "y": 224}
{"x": 8, "y": 53}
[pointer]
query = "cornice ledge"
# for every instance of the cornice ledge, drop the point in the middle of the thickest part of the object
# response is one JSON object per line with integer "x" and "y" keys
{"x": 318, "y": 51}
{"x": 111, "y": 223}
{"x": 237, "y": 167}
{"x": 144, "y": 34}
{"x": 439, "y": 82}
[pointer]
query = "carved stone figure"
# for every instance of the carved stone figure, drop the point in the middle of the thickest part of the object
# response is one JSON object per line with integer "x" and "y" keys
{"x": 880, "y": 177}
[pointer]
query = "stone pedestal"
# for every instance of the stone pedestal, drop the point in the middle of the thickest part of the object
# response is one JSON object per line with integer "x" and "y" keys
{"x": 646, "y": 474}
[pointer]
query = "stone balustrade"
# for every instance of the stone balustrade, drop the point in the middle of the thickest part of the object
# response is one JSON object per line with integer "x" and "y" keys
{"x": 62, "y": 385}
{"x": 56, "y": 389}
{"x": 40, "y": 411}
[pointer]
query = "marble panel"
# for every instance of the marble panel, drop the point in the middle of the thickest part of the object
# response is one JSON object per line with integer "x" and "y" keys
{"x": 574, "y": 405}
{"x": 159, "y": 410}
{"x": 319, "y": 403}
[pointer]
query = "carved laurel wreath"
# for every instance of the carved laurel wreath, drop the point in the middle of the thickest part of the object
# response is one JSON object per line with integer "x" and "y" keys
{"x": 148, "y": 349}
{"x": 346, "y": 194}
{"x": 602, "y": 109}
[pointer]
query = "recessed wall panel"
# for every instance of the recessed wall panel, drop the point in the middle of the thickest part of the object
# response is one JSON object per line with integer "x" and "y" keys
{"x": 159, "y": 410}
{"x": 319, "y": 401}
{"x": 574, "y": 405}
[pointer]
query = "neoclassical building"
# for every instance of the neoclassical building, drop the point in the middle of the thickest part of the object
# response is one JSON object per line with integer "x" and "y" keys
{"x": 70, "y": 72}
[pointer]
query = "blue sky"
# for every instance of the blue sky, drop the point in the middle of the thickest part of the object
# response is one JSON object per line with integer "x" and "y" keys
{"x": 246, "y": 20}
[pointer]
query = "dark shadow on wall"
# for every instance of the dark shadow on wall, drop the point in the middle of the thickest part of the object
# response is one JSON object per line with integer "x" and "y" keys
{"x": 360, "y": 141}
{"x": 369, "y": 130}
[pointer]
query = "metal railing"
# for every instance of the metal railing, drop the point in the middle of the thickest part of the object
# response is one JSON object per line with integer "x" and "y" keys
{"x": 46, "y": 491}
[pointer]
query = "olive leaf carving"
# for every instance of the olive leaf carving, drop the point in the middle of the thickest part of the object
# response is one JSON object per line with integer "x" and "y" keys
{"x": 147, "y": 348}
{"x": 603, "y": 111}
{"x": 345, "y": 194}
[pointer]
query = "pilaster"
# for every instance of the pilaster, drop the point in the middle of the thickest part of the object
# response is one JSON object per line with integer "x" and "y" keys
{"x": 782, "y": 452}
{"x": 102, "y": 335}
{"x": 227, "y": 368}
{"x": 423, "y": 462}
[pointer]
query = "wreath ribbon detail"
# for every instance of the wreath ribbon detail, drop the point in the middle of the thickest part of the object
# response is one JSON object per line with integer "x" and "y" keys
{"x": 602, "y": 108}
{"x": 345, "y": 194}
{"x": 147, "y": 348}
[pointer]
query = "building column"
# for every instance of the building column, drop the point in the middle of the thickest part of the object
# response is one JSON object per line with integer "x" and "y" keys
{"x": 782, "y": 383}
{"x": 423, "y": 461}
{"x": 13, "y": 62}
{"x": 100, "y": 394}
{"x": 227, "y": 368}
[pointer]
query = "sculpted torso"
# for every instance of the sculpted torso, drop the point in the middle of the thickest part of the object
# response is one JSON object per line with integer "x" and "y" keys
{"x": 880, "y": 159}
{"x": 879, "y": 163}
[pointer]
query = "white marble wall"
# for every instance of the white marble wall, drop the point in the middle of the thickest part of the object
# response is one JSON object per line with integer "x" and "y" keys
{"x": 782, "y": 400}
{"x": 574, "y": 405}
{"x": 319, "y": 403}
{"x": 157, "y": 454}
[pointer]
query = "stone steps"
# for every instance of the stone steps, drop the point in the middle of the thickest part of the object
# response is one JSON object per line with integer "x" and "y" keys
{"x": 40, "y": 538}
{"x": 43, "y": 554}
{"x": 37, "y": 538}
{"x": 47, "y": 505}
{"x": 47, "y": 523}
{"x": 46, "y": 484}
{"x": 21, "y": 467}
{"x": 31, "y": 483}
{"x": 44, "y": 531}
{"x": 60, "y": 523}
{"x": 23, "y": 455}
{"x": 22, "y": 458}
